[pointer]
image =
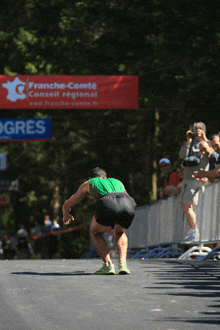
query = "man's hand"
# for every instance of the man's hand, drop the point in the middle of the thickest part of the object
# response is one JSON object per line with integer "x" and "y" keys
{"x": 188, "y": 138}
{"x": 202, "y": 135}
{"x": 169, "y": 189}
{"x": 211, "y": 175}
{"x": 176, "y": 190}
{"x": 198, "y": 174}
{"x": 67, "y": 220}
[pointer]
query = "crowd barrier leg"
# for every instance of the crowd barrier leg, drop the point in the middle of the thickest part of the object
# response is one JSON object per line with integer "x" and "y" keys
{"x": 214, "y": 252}
{"x": 196, "y": 251}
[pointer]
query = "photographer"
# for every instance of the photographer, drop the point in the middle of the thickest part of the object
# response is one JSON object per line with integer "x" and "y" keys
{"x": 192, "y": 161}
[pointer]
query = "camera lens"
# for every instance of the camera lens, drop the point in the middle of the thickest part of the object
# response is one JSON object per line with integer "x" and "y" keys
{"x": 191, "y": 134}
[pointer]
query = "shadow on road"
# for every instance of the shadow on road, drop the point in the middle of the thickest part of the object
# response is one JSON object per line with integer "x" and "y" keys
{"x": 78, "y": 273}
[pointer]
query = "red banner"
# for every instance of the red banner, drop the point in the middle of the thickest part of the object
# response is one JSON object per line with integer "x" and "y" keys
{"x": 68, "y": 92}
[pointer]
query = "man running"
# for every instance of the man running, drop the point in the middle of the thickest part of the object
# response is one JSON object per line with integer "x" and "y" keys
{"x": 115, "y": 210}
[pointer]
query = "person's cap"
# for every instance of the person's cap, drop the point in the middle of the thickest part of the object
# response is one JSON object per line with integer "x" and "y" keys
{"x": 164, "y": 160}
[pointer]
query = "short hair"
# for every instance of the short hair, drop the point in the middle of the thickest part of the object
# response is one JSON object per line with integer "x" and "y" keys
{"x": 206, "y": 142}
{"x": 98, "y": 172}
{"x": 215, "y": 135}
{"x": 200, "y": 123}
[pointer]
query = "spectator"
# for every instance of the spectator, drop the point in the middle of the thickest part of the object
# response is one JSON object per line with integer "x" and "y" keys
{"x": 55, "y": 226}
{"x": 190, "y": 189}
{"x": 36, "y": 239}
{"x": 46, "y": 239}
{"x": 209, "y": 153}
{"x": 213, "y": 158}
{"x": 13, "y": 246}
{"x": 215, "y": 142}
{"x": 35, "y": 231}
{"x": 171, "y": 178}
{"x": 180, "y": 173}
{"x": 50, "y": 241}
{"x": 47, "y": 227}
{"x": 54, "y": 239}
{"x": 6, "y": 247}
{"x": 22, "y": 233}
{"x": 213, "y": 173}
{"x": 24, "y": 248}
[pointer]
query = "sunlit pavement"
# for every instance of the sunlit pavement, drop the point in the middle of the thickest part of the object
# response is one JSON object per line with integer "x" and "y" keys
{"x": 164, "y": 294}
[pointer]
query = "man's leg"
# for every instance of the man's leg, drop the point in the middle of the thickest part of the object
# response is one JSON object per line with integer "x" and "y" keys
{"x": 190, "y": 215}
{"x": 121, "y": 243}
{"x": 193, "y": 234}
{"x": 99, "y": 242}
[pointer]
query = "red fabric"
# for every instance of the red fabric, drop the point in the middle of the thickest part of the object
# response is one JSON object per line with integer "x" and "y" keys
{"x": 173, "y": 180}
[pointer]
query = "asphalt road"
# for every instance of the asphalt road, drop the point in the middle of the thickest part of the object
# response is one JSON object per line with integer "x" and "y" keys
{"x": 65, "y": 295}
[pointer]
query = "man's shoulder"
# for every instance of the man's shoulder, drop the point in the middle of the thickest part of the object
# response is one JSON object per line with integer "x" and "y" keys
{"x": 84, "y": 185}
{"x": 84, "y": 188}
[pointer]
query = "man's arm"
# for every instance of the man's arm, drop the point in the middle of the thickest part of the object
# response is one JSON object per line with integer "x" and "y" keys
{"x": 74, "y": 199}
{"x": 208, "y": 174}
{"x": 184, "y": 151}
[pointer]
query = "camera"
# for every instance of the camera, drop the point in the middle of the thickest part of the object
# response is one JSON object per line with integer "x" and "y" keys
{"x": 192, "y": 135}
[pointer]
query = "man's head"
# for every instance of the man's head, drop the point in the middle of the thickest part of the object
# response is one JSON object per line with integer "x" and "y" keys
{"x": 205, "y": 149}
{"x": 197, "y": 127}
{"x": 215, "y": 143}
{"x": 165, "y": 165}
{"x": 98, "y": 172}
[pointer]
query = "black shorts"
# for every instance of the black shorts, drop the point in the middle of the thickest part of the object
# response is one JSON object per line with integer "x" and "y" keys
{"x": 115, "y": 208}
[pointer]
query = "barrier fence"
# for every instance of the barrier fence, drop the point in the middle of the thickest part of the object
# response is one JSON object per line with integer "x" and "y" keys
{"x": 163, "y": 224}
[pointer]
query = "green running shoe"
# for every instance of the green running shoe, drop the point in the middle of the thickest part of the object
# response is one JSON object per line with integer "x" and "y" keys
{"x": 123, "y": 269}
{"x": 106, "y": 270}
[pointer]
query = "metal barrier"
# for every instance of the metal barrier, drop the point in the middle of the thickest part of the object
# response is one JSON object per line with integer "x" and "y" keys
{"x": 158, "y": 228}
